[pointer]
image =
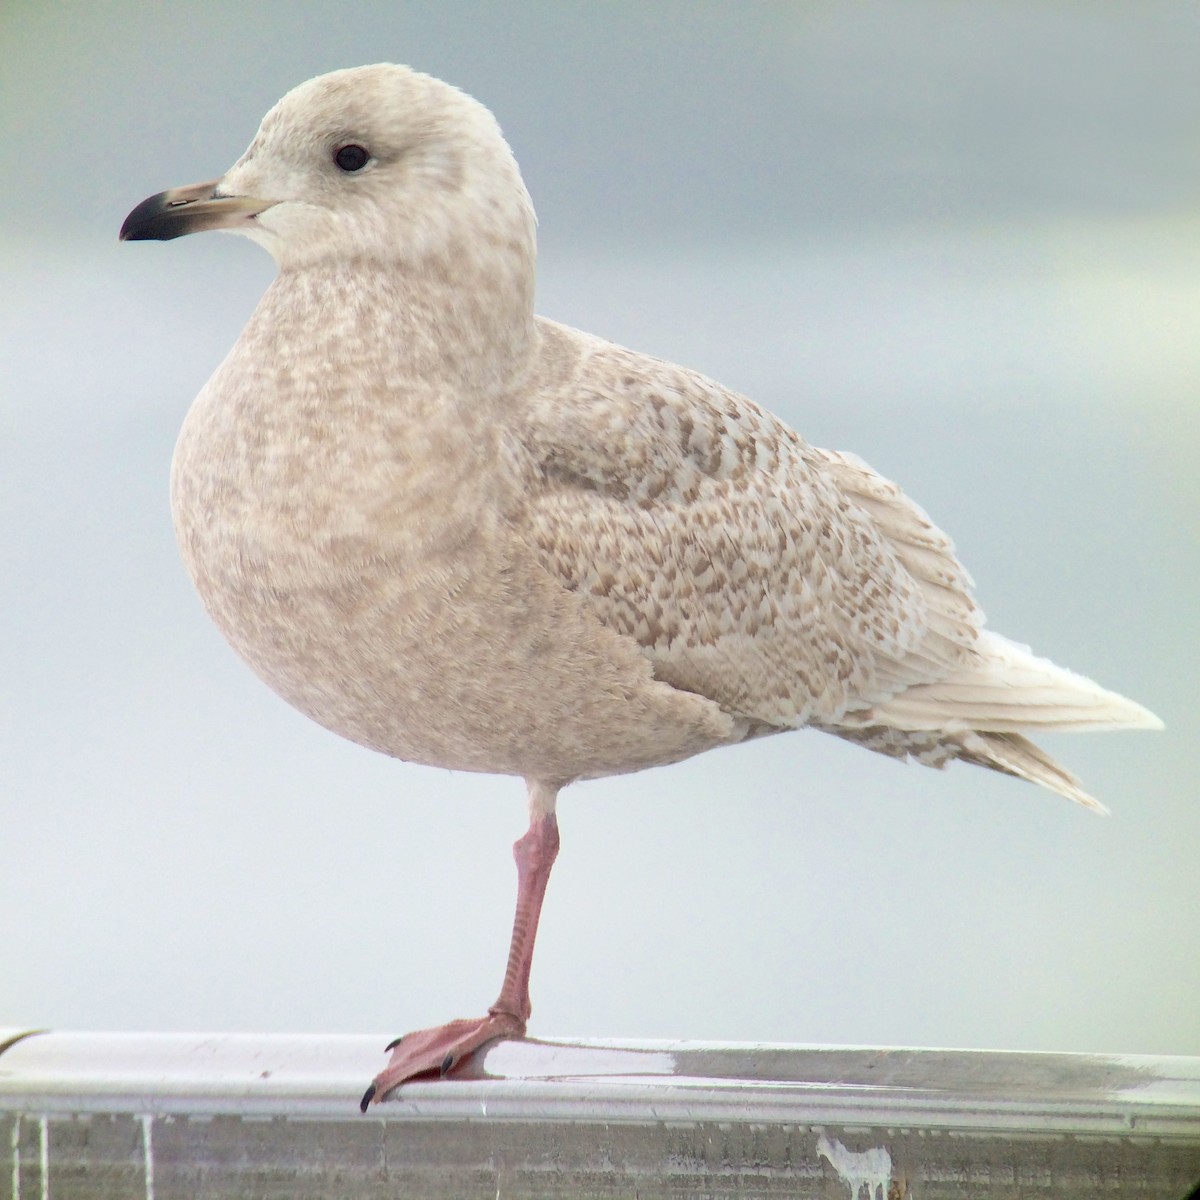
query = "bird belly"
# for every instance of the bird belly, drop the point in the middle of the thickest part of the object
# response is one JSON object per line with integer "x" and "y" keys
{"x": 444, "y": 644}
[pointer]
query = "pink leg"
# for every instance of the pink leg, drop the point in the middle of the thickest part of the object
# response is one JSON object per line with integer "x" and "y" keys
{"x": 534, "y": 854}
{"x": 442, "y": 1048}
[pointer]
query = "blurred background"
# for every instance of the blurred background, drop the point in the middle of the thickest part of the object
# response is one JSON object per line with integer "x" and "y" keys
{"x": 961, "y": 240}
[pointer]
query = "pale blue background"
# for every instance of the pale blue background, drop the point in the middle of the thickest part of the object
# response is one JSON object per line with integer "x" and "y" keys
{"x": 962, "y": 240}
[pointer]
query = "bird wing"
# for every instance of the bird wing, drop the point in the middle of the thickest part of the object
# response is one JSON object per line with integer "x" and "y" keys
{"x": 786, "y": 583}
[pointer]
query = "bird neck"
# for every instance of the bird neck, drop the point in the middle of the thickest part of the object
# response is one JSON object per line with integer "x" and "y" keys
{"x": 437, "y": 322}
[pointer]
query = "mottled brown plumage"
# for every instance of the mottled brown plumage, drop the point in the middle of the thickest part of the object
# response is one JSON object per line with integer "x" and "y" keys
{"x": 463, "y": 535}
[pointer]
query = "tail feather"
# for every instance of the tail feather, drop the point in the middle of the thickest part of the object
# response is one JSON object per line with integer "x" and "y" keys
{"x": 1009, "y": 753}
{"x": 976, "y": 715}
{"x": 1013, "y": 754}
{"x": 1007, "y": 690}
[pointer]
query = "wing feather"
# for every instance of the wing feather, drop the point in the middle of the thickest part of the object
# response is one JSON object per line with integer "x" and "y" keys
{"x": 786, "y": 583}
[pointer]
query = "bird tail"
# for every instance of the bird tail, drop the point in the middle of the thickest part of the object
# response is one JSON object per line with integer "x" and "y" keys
{"x": 1008, "y": 689}
{"x": 1012, "y": 754}
{"x": 1009, "y": 753}
{"x": 977, "y": 713}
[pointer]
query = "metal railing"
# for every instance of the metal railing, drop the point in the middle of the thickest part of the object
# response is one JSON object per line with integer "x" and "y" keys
{"x": 171, "y": 1115}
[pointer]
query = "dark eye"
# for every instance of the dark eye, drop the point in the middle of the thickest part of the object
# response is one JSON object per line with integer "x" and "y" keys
{"x": 351, "y": 158}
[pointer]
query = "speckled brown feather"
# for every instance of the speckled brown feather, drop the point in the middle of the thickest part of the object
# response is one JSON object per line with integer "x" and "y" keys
{"x": 692, "y": 521}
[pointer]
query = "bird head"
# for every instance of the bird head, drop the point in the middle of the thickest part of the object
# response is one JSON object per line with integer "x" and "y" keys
{"x": 381, "y": 163}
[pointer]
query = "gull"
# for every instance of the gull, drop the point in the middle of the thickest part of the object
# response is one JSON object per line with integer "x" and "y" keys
{"x": 464, "y": 535}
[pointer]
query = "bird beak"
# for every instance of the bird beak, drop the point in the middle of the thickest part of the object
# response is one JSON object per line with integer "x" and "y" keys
{"x": 189, "y": 209}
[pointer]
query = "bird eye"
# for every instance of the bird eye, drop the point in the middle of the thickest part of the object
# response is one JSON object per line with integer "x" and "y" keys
{"x": 351, "y": 158}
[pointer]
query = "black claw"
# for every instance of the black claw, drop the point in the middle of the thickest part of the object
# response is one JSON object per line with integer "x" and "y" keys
{"x": 447, "y": 1063}
{"x": 368, "y": 1096}
{"x": 393, "y": 1043}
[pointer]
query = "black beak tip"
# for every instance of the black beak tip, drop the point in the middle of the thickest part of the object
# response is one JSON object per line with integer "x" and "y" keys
{"x": 154, "y": 220}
